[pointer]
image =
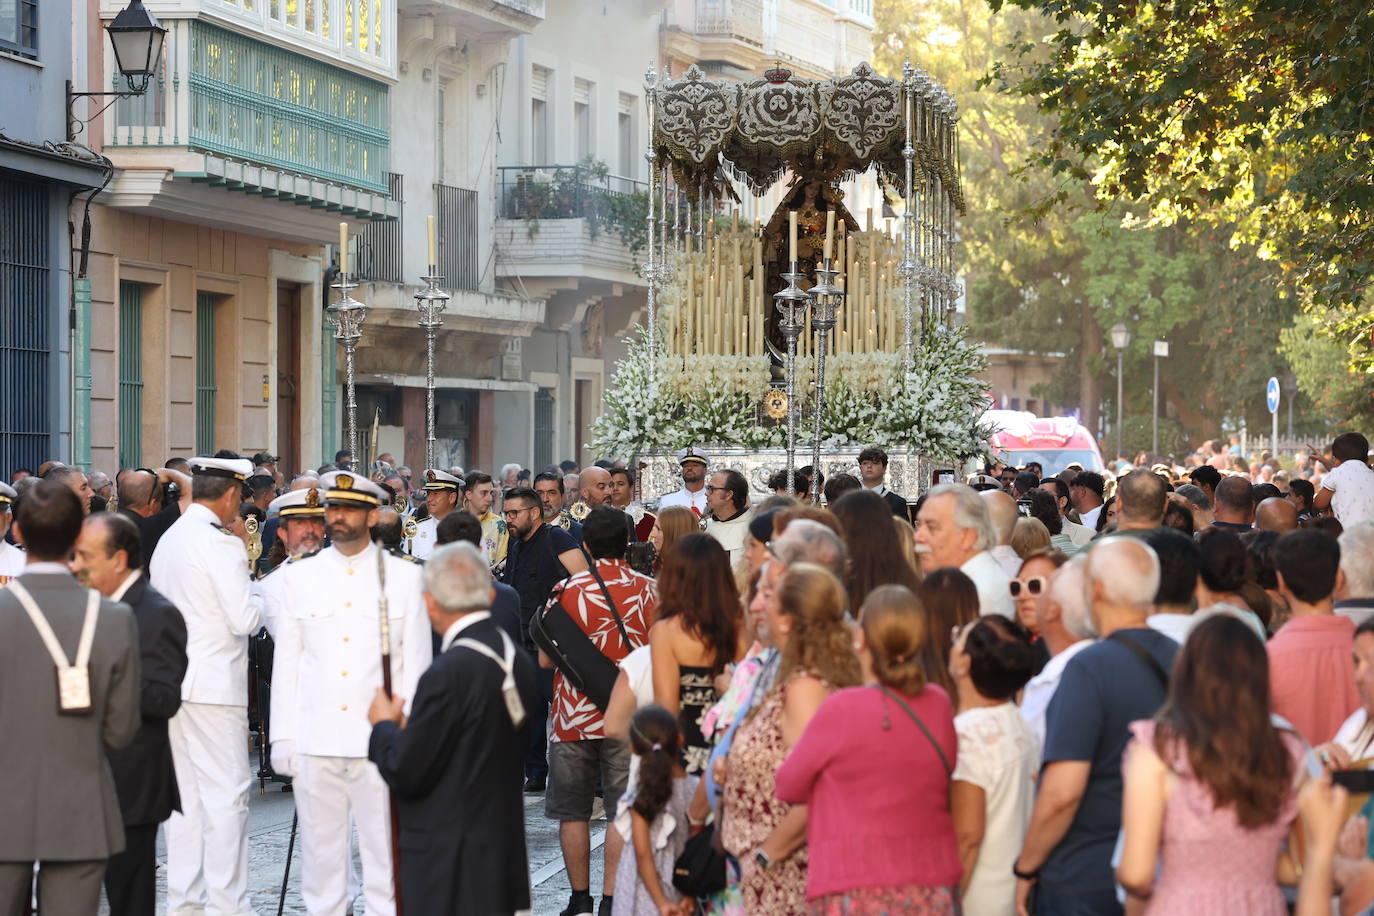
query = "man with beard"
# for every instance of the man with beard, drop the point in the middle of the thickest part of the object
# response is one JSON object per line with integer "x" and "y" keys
{"x": 300, "y": 530}
{"x": 540, "y": 556}
{"x": 551, "y": 490}
{"x": 326, "y": 669}
{"x": 728, "y": 498}
{"x": 693, "y": 493}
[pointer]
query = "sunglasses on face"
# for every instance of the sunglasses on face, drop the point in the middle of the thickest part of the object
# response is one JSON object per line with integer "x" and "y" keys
{"x": 1033, "y": 586}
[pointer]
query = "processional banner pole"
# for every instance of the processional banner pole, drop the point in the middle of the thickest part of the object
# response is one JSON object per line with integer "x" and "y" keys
{"x": 908, "y": 266}
{"x": 651, "y": 266}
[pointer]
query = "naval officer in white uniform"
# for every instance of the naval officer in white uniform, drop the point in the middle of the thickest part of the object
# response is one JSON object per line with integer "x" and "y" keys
{"x": 693, "y": 463}
{"x": 12, "y": 559}
{"x": 203, "y": 571}
{"x": 443, "y": 492}
{"x": 301, "y": 531}
{"x": 326, "y": 670}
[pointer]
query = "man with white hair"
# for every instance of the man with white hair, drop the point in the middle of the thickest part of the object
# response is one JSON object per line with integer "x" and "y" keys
{"x": 1104, "y": 688}
{"x": 1061, "y": 613}
{"x": 954, "y": 529}
{"x": 807, "y": 541}
{"x": 1003, "y": 513}
{"x": 456, "y": 764}
{"x": 1355, "y": 586}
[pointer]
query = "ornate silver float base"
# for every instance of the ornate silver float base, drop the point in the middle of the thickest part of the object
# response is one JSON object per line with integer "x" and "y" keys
{"x": 908, "y": 473}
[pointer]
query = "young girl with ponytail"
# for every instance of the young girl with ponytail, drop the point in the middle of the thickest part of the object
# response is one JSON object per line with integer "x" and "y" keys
{"x": 653, "y": 820}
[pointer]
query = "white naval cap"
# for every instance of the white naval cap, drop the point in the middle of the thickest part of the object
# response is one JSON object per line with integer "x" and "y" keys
{"x": 692, "y": 453}
{"x": 7, "y": 497}
{"x": 436, "y": 479}
{"x": 306, "y": 503}
{"x": 234, "y": 468}
{"x": 344, "y": 488}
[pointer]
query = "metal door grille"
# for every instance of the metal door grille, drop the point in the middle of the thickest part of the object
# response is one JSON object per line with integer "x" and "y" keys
{"x": 206, "y": 389}
{"x": 25, "y": 290}
{"x": 130, "y": 374}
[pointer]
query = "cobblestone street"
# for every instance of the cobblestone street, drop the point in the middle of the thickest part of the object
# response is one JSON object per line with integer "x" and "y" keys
{"x": 269, "y": 836}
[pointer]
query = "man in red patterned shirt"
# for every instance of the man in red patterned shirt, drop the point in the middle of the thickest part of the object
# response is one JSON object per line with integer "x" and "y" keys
{"x": 578, "y": 747}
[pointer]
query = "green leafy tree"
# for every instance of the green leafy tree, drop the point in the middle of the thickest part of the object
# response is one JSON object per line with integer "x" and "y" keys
{"x": 1253, "y": 117}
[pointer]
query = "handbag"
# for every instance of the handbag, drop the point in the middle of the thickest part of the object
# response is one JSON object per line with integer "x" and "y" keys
{"x": 699, "y": 870}
{"x": 572, "y": 651}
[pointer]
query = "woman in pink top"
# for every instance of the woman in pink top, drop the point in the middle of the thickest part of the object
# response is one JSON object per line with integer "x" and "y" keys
{"x": 1209, "y": 785}
{"x": 874, "y": 768}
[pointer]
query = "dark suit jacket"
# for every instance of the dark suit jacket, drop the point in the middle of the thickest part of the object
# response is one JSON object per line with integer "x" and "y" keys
{"x": 897, "y": 504}
{"x": 143, "y": 774}
{"x": 456, "y": 770}
{"x": 57, "y": 798}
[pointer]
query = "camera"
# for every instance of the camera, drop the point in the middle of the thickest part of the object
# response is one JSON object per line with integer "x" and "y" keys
{"x": 1023, "y": 506}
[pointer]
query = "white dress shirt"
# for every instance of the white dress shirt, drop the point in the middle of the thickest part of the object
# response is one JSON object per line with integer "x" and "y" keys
{"x": 1089, "y": 518}
{"x": 992, "y": 582}
{"x": 455, "y": 629}
{"x": 204, "y": 572}
{"x": 685, "y": 497}
{"x": 327, "y": 662}
{"x": 1008, "y": 559}
{"x": 1035, "y": 700}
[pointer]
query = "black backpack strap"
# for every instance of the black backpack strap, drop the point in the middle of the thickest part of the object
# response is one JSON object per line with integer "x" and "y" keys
{"x": 1145, "y": 656}
{"x": 610, "y": 602}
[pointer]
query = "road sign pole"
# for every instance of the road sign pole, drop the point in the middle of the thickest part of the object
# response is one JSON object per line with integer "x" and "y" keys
{"x": 1271, "y": 400}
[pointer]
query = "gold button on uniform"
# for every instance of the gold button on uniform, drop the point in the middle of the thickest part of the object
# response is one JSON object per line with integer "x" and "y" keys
{"x": 348, "y": 604}
{"x": 345, "y": 639}
{"x": 343, "y": 673}
{"x": 350, "y": 572}
{"x": 343, "y": 708}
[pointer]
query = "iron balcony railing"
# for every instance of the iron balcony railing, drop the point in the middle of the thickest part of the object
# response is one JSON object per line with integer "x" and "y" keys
{"x": 380, "y": 254}
{"x": 458, "y": 236}
{"x": 741, "y": 19}
{"x": 528, "y": 7}
{"x": 536, "y": 192}
{"x": 226, "y": 93}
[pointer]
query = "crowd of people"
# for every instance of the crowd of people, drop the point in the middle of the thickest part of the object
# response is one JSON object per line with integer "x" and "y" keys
{"x": 1079, "y": 693}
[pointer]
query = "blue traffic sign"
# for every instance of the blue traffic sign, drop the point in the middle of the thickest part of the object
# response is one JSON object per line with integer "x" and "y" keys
{"x": 1271, "y": 394}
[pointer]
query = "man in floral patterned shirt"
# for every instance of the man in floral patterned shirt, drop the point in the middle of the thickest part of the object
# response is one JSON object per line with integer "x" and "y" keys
{"x": 578, "y": 748}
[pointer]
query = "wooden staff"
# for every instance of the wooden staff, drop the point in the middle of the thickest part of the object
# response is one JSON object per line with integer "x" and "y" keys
{"x": 385, "y": 624}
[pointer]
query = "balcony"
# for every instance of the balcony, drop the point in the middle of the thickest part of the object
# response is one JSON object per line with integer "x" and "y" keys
{"x": 572, "y": 220}
{"x": 484, "y": 20}
{"x": 231, "y": 112}
{"x": 740, "y": 20}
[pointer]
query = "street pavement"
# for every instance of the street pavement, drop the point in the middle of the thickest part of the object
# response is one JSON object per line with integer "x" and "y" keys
{"x": 269, "y": 836}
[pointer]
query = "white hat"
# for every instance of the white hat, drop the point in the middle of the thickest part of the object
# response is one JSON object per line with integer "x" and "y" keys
{"x": 304, "y": 503}
{"x": 436, "y": 479}
{"x": 234, "y": 468}
{"x": 344, "y": 488}
{"x": 7, "y": 496}
{"x": 692, "y": 453}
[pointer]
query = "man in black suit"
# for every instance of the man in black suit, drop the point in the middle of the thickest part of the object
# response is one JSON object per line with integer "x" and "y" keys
{"x": 454, "y": 767}
{"x": 109, "y": 559}
{"x": 873, "y": 472}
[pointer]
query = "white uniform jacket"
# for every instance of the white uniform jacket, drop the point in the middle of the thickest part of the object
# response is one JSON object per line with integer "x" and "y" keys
{"x": 685, "y": 497}
{"x": 426, "y": 538}
{"x": 327, "y": 661}
{"x": 204, "y": 572}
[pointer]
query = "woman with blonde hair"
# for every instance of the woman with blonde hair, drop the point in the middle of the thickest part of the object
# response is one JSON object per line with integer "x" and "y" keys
{"x": 873, "y": 768}
{"x": 1028, "y": 536}
{"x": 807, "y": 624}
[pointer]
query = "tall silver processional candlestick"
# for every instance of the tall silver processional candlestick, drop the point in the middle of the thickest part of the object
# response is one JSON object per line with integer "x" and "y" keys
{"x": 430, "y": 303}
{"x": 348, "y": 315}
{"x": 791, "y": 302}
{"x": 826, "y": 298}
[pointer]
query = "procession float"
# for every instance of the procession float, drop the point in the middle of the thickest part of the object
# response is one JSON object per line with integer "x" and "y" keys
{"x": 814, "y": 327}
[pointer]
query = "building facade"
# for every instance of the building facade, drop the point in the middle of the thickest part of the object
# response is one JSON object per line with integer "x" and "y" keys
{"x": 43, "y": 184}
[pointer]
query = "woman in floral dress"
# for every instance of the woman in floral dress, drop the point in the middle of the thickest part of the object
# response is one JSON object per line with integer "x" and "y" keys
{"x": 763, "y": 834}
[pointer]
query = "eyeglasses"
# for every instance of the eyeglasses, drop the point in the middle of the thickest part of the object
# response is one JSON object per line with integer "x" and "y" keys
{"x": 711, "y": 489}
{"x": 1033, "y": 586}
{"x": 508, "y": 513}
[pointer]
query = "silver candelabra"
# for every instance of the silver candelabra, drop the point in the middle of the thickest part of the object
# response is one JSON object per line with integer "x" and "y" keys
{"x": 826, "y": 298}
{"x": 791, "y": 302}
{"x": 348, "y": 315}
{"x": 430, "y": 303}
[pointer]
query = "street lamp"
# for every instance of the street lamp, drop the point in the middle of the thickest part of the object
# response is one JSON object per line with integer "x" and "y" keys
{"x": 137, "y": 38}
{"x": 1121, "y": 339}
{"x": 1161, "y": 349}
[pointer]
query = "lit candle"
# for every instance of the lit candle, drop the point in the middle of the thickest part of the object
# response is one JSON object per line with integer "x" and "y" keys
{"x": 343, "y": 248}
{"x": 829, "y": 233}
{"x": 792, "y": 236}
{"x": 433, "y": 246}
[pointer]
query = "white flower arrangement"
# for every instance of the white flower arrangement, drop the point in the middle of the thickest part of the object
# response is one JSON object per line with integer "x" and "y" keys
{"x": 713, "y": 400}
